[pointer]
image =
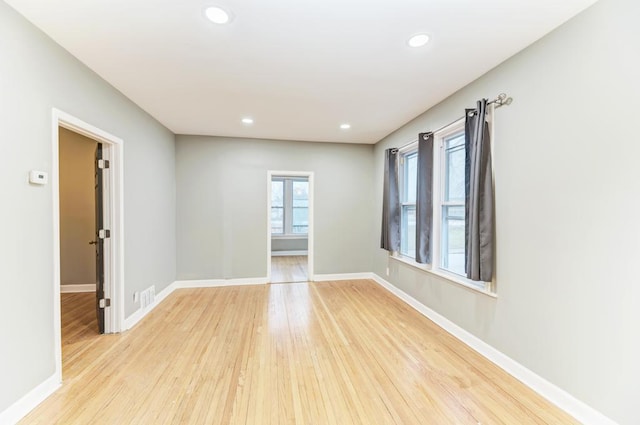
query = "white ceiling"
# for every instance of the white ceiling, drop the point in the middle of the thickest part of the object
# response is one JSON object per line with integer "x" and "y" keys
{"x": 300, "y": 68}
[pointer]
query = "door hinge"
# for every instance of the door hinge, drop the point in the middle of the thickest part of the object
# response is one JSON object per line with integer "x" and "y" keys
{"x": 104, "y": 233}
{"x": 105, "y": 302}
{"x": 103, "y": 163}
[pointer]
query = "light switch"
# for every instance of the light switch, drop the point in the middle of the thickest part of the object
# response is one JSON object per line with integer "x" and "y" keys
{"x": 38, "y": 177}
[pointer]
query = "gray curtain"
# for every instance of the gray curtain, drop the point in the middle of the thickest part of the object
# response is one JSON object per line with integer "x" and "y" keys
{"x": 479, "y": 206}
{"x": 390, "y": 239}
{"x": 424, "y": 199}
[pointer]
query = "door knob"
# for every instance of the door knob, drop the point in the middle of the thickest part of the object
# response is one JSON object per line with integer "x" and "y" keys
{"x": 93, "y": 242}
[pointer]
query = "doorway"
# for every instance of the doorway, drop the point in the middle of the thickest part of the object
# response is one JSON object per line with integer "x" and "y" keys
{"x": 78, "y": 261}
{"x": 290, "y": 226}
{"x": 86, "y": 181}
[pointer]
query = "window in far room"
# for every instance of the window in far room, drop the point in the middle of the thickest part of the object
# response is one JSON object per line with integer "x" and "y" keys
{"x": 277, "y": 207}
{"x": 289, "y": 206}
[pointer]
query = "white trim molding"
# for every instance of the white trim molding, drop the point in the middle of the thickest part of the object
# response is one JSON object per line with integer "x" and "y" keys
{"x": 30, "y": 401}
{"x": 294, "y": 237}
{"x": 341, "y": 276}
{"x": 288, "y": 253}
{"x": 75, "y": 288}
{"x": 554, "y": 394}
{"x": 216, "y": 283}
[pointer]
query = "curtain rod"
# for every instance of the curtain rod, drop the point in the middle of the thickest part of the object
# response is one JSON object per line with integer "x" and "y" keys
{"x": 501, "y": 100}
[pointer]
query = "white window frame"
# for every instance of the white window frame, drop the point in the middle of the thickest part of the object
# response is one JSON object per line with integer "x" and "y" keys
{"x": 438, "y": 201}
{"x": 287, "y": 212}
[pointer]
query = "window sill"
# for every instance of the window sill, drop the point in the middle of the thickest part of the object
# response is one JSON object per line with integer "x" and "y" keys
{"x": 289, "y": 236}
{"x": 458, "y": 280}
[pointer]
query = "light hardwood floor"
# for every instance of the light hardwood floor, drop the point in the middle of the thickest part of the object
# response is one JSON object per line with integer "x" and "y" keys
{"x": 286, "y": 269}
{"x": 79, "y": 328}
{"x": 328, "y": 353}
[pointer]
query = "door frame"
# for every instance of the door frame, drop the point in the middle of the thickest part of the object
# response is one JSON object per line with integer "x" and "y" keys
{"x": 310, "y": 234}
{"x": 113, "y": 209}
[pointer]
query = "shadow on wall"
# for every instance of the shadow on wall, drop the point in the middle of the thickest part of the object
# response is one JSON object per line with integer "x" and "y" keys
{"x": 77, "y": 209}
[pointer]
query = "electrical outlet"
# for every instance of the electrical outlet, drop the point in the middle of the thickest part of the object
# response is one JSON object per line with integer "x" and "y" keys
{"x": 136, "y": 297}
{"x": 387, "y": 271}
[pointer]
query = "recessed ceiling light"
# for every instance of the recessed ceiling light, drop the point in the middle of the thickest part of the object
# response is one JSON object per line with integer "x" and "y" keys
{"x": 418, "y": 40}
{"x": 345, "y": 126}
{"x": 217, "y": 15}
{"x": 247, "y": 121}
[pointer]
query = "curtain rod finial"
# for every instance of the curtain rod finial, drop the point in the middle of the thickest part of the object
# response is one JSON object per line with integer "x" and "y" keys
{"x": 502, "y": 100}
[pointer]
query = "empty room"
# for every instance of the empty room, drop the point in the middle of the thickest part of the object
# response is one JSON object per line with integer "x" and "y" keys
{"x": 319, "y": 212}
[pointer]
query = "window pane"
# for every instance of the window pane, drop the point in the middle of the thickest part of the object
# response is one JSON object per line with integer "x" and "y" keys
{"x": 277, "y": 206}
{"x": 300, "y": 194}
{"x": 410, "y": 178}
{"x": 455, "y": 141}
{"x": 300, "y": 213}
{"x": 277, "y": 220}
{"x": 453, "y": 247}
{"x": 408, "y": 236}
{"x": 300, "y": 220}
{"x": 454, "y": 165}
{"x": 277, "y": 193}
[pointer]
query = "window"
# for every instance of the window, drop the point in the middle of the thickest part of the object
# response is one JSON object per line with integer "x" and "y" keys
{"x": 289, "y": 206}
{"x": 448, "y": 238}
{"x": 277, "y": 207}
{"x": 409, "y": 180}
{"x": 452, "y": 244}
{"x": 300, "y": 207}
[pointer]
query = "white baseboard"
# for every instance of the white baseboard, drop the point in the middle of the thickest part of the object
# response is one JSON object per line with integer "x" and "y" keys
{"x": 29, "y": 401}
{"x": 341, "y": 276}
{"x": 288, "y": 253}
{"x": 214, "y": 283}
{"x": 73, "y": 288}
{"x": 565, "y": 401}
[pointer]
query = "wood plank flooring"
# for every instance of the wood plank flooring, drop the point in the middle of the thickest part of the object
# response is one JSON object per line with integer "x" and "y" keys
{"x": 79, "y": 328}
{"x": 328, "y": 353}
{"x": 286, "y": 269}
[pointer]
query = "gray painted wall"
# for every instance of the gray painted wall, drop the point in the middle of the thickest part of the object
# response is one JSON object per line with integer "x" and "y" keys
{"x": 35, "y": 76}
{"x": 287, "y": 244}
{"x": 222, "y": 199}
{"x": 567, "y": 197}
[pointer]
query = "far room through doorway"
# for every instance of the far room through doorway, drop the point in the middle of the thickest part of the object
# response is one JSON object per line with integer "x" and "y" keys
{"x": 289, "y": 222}
{"x": 78, "y": 193}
